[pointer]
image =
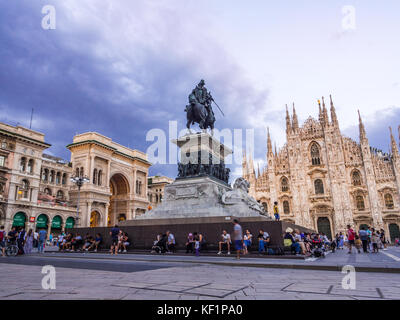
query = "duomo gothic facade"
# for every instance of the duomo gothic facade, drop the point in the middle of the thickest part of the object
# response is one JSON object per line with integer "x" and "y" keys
{"x": 324, "y": 180}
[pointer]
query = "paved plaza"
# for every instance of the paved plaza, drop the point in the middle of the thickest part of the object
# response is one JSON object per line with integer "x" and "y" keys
{"x": 173, "y": 277}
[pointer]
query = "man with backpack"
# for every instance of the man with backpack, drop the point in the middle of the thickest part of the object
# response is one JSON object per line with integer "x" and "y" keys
{"x": 3, "y": 241}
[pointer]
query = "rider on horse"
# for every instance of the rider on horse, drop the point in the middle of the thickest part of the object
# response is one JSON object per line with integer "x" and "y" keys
{"x": 200, "y": 96}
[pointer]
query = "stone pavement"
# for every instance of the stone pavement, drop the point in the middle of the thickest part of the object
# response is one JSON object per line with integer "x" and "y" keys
{"x": 162, "y": 280}
{"x": 384, "y": 261}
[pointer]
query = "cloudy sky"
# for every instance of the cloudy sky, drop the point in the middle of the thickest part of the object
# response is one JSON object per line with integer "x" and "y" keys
{"x": 122, "y": 68}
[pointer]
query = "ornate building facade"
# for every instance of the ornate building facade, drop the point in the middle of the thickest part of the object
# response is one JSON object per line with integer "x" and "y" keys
{"x": 156, "y": 185}
{"x": 36, "y": 189}
{"x": 324, "y": 180}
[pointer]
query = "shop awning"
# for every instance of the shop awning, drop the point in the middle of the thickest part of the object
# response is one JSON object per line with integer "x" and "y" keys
{"x": 41, "y": 221}
{"x": 19, "y": 219}
{"x": 56, "y": 223}
{"x": 69, "y": 223}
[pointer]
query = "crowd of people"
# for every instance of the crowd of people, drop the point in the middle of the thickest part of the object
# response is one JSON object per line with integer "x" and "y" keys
{"x": 25, "y": 240}
{"x": 367, "y": 239}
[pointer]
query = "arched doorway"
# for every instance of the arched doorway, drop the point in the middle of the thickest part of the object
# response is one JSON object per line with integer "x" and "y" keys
{"x": 19, "y": 219}
{"x": 56, "y": 225}
{"x": 119, "y": 200}
{"x": 69, "y": 223}
{"x": 394, "y": 232}
{"x": 95, "y": 219}
{"x": 42, "y": 222}
{"x": 324, "y": 226}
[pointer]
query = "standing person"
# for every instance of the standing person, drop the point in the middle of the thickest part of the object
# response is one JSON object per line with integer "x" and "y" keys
{"x": 374, "y": 241}
{"x": 276, "y": 211}
{"x": 341, "y": 241}
{"x": 114, "y": 240}
{"x": 42, "y": 240}
{"x": 28, "y": 242}
{"x": 35, "y": 239}
{"x": 21, "y": 241}
{"x": 383, "y": 239}
{"x": 351, "y": 238}
{"x": 237, "y": 237}
{"x": 197, "y": 245}
{"x": 247, "y": 241}
{"x": 3, "y": 241}
{"x": 364, "y": 239}
{"x": 51, "y": 236}
{"x": 369, "y": 238}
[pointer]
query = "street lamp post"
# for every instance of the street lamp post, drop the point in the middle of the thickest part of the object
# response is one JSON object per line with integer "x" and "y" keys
{"x": 79, "y": 181}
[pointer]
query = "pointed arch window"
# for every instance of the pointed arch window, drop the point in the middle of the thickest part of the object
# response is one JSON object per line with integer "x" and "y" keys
{"x": 315, "y": 154}
{"x": 360, "y": 203}
{"x": 319, "y": 186}
{"x": 389, "y": 201}
{"x": 284, "y": 184}
{"x": 286, "y": 207}
{"x": 356, "y": 178}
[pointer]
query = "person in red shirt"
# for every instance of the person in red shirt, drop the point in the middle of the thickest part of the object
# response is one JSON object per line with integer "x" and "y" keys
{"x": 350, "y": 237}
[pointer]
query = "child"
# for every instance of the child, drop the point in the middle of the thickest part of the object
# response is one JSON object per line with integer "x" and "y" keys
{"x": 358, "y": 243}
{"x": 374, "y": 241}
{"x": 276, "y": 211}
{"x": 197, "y": 245}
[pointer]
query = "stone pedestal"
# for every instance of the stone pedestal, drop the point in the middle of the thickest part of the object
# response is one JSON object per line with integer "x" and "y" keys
{"x": 201, "y": 188}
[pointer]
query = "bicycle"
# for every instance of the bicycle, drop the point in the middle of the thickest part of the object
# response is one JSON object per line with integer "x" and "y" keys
{"x": 11, "y": 248}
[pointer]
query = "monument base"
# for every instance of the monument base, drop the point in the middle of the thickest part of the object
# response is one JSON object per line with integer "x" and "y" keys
{"x": 203, "y": 197}
{"x": 142, "y": 233}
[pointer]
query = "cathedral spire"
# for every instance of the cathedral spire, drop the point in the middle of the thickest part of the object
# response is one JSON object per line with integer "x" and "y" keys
{"x": 395, "y": 150}
{"x": 295, "y": 122}
{"x": 320, "y": 110}
{"x": 361, "y": 127}
{"x": 258, "y": 170}
{"x": 276, "y": 153}
{"x": 245, "y": 169}
{"x": 324, "y": 112}
{"x": 269, "y": 144}
{"x": 333, "y": 112}
{"x": 288, "y": 124}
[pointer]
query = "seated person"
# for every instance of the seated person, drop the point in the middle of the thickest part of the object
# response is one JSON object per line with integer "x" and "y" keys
{"x": 263, "y": 241}
{"x": 124, "y": 242}
{"x": 87, "y": 242}
{"x": 76, "y": 242}
{"x": 170, "y": 242}
{"x": 67, "y": 242}
{"x": 190, "y": 243}
{"x": 289, "y": 241}
{"x": 155, "y": 248}
{"x": 225, "y": 240}
{"x": 96, "y": 242}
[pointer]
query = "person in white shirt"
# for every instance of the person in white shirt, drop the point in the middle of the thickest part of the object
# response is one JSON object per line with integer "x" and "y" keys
{"x": 225, "y": 239}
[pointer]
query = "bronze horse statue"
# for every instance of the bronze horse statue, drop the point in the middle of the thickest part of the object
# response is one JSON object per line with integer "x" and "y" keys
{"x": 198, "y": 113}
